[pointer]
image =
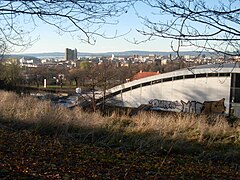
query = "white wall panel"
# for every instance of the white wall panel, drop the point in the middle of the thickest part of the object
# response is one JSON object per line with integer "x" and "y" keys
{"x": 194, "y": 89}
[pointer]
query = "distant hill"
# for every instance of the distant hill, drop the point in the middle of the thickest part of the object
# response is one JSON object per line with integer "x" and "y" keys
{"x": 19, "y": 56}
{"x": 124, "y": 53}
{"x": 39, "y": 55}
{"x": 144, "y": 53}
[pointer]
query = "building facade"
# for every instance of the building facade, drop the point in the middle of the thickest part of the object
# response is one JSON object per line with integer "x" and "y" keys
{"x": 207, "y": 88}
{"x": 70, "y": 54}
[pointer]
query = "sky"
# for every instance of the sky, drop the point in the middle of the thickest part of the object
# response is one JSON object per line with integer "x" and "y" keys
{"x": 47, "y": 39}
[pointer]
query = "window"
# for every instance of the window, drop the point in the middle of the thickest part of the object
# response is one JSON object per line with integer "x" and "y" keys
{"x": 177, "y": 77}
{"x": 157, "y": 81}
{"x": 224, "y": 74}
{"x": 212, "y": 74}
{"x": 235, "y": 88}
{"x": 201, "y": 75}
{"x": 167, "y": 79}
{"x": 126, "y": 89}
{"x": 136, "y": 86}
{"x": 189, "y": 76}
{"x": 146, "y": 83}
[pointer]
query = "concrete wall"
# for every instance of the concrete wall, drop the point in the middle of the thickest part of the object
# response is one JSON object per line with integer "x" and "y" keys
{"x": 173, "y": 94}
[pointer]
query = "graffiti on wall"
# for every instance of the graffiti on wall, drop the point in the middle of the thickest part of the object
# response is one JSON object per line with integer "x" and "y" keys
{"x": 192, "y": 107}
{"x": 206, "y": 107}
{"x": 165, "y": 105}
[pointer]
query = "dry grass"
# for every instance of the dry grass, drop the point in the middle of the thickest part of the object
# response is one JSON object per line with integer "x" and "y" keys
{"x": 185, "y": 126}
{"x": 152, "y": 128}
{"x": 43, "y": 114}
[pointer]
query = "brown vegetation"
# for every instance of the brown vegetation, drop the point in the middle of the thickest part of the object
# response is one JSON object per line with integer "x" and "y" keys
{"x": 48, "y": 118}
{"x": 41, "y": 140}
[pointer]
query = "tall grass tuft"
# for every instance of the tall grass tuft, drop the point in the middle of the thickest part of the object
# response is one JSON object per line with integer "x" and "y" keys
{"x": 143, "y": 130}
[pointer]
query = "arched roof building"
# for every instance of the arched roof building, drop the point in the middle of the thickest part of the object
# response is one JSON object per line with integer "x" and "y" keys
{"x": 206, "y": 88}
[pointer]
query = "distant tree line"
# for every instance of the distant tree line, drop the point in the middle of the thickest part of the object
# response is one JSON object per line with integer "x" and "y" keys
{"x": 87, "y": 74}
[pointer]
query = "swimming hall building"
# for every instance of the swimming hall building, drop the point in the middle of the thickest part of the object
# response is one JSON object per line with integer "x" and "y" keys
{"x": 213, "y": 88}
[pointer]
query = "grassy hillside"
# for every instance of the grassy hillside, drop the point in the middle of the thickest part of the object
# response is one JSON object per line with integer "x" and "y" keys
{"x": 39, "y": 140}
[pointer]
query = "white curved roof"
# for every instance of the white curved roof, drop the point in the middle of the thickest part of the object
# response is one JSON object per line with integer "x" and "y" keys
{"x": 202, "y": 69}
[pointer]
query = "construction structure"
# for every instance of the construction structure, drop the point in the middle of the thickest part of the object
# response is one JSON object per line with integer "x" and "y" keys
{"x": 213, "y": 88}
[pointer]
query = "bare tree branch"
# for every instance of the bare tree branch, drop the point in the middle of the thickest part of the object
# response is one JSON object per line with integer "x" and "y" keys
{"x": 211, "y": 26}
{"x": 83, "y": 17}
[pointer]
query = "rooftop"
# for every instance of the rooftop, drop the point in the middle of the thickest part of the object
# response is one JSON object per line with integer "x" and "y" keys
{"x": 142, "y": 74}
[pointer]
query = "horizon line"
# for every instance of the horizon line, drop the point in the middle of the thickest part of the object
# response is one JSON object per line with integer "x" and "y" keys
{"x": 98, "y": 52}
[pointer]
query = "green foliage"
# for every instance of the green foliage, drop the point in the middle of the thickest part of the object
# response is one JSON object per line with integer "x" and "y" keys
{"x": 85, "y": 65}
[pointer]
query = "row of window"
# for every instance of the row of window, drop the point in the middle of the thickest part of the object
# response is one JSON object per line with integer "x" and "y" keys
{"x": 190, "y": 76}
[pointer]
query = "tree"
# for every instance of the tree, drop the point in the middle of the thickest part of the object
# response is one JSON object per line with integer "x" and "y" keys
{"x": 74, "y": 75}
{"x": 85, "y": 65}
{"x": 85, "y": 17}
{"x": 207, "y": 25}
{"x": 10, "y": 73}
{"x": 37, "y": 75}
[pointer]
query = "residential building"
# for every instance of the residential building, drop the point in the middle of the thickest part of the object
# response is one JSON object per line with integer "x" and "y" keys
{"x": 70, "y": 54}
